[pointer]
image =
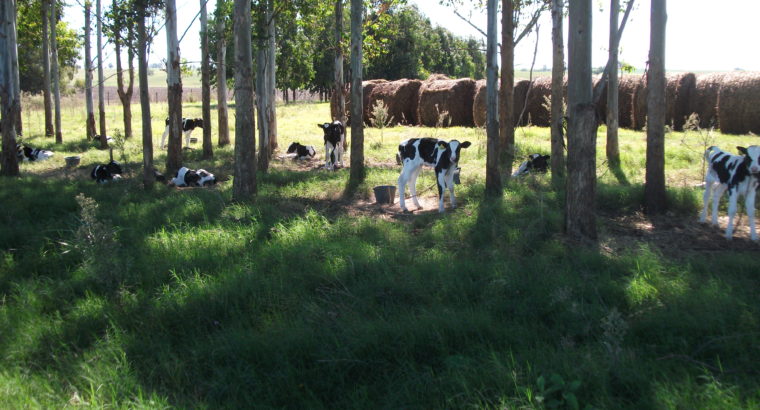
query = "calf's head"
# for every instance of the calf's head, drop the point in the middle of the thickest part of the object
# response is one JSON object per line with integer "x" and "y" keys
{"x": 451, "y": 150}
{"x": 751, "y": 158}
{"x": 333, "y": 131}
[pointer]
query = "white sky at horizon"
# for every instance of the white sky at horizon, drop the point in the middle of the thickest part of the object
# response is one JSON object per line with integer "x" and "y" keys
{"x": 702, "y": 35}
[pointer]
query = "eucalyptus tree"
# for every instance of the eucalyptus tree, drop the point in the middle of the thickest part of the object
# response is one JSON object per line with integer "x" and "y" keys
{"x": 101, "y": 77}
{"x": 55, "y": 73}
{"x": 654, "y": 186}
{"x": 265, "y": 75}
{"x": 244, "y": 182}
{"x": 220, "y": 16}
{"x": 90, "y": 121}
{"x": 557, "y": 104}
{"x": 357, "y": 126}
{"x": 121, "y": 26}
{"x": 174, "y": 90}
{"x": 208, "y": 149}
{"x": 580, "y": 190}
{"x": 13, "y": 38}
{"x": 46, "y": 97}
{"x": 493, "y": 178}
{"x": 146, "y": 9}
{"x": 9, "y": 95}
{"x": 340, "y": 97}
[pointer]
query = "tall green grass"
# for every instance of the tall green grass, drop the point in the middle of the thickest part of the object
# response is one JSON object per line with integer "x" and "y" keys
{"x": 304, "y": 298}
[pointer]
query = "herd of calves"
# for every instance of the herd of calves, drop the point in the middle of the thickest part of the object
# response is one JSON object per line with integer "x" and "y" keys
{"x": 736, "y": 175}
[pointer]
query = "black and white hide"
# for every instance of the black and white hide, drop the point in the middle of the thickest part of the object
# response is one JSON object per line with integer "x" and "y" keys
{"x": 301, "y": 151}
{"x": 97, "y": 138}
{"x": 335, "y": 136}
{"x": 441, "y": 155}
{"x": 103, "y": 173}
{"x": 193, "y": 178}
{"x": 25, "y": 153}
{"x": 188, "y": 125}
{"x": 739, "y": 175}
{"x": 534, "y": 163}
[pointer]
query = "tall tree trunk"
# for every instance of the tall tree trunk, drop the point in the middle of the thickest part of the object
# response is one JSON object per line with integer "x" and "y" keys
{"x": 124, "y": 96}
{"x": 147, "y": 131}
{"x": 557, "y": 108}
{"x": 271, "y": 78}
{"x": 262, "y": 97}
{"x": 221, "y": 81}
{"x": 338, "y": 71}
{"x": 244, "y": 182}
{"x": 55, "y": 74}
{"x": 580, "y": 221}
{"x": 14, "y": 69}
{"x": 101, "y": 79}
{"x": 174, "y": 94}
{"x": 654, "y": 188}
{"x": 46, "y": 84}
{"x": 507, "y": 90}
{"x": 8, "y": 94}
{"x": 90, "y": 122}
{"x": 612, "y": 149}
{"x": 357, "y": 125}
{"x": 208, "y": 148}
{"x": 493, "y": 178}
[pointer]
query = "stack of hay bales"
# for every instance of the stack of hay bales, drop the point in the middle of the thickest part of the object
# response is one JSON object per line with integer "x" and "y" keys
{"x": 455, "y": 97}
{"x": 367, "y": 87}
{"x": 400, "y": 97}
{"x": 704, "y": 99}
{"x": 479, "y": 104}
{"x": 521, "y": 94}
{"x": 678, "y": 94}
{"x": 626, "y": 86}
{"x": 738, "y": 111}
{"x": 678, "y": 91}
{"x": 536, "y": 109}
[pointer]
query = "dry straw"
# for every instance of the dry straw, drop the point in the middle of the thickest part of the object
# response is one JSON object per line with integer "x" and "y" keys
{"x": 739, "y": 103}
{"x": 400, "y": 97}
{"x": 704, "y": 99}
{"x": 452, "y": 96}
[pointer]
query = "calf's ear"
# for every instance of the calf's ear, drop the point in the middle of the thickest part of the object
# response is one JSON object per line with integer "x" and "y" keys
{"x": 743, "y": 150}
{"x": 441, "y": 145}
{"x": 465, "y": 144}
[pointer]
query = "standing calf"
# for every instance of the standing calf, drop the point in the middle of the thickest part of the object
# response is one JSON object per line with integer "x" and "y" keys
{"x": 442, "y": 155}
{"x": 335, "y": 135}
{"x": 188, "y": 125}
{"x": 739, "y": 175}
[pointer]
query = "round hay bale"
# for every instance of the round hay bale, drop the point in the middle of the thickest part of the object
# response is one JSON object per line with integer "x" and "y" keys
{"x": 479, "y": 104}
{"x": 601, "y": 104}
{"x": 521, "y": 92}
{"x": 437, "y": 77}
{"x": 677, "y": 96}
{"x": 739, "y": 103}
{"x": 639, "y": 105}
{"x": 452, "y": 96}
{"x": 400, "y": 97}
{"x": 536, "y": 110}
{"x": 626, "y": 86}
{"x": 367, "y": 87}
{"x": 704, "y": 98}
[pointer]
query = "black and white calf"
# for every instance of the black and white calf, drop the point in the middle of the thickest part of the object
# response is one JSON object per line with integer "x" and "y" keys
{"x": 188, "y": 125}
{"x": 25, "y": 153}
{"x": 739, "y": 175}
{"x": 335, "y": 135}
{"x": 104, "y": 173}
{"x": 97, "y": 138}
{"x": 190, "y": 177}
{"x": 534, "y": 163}
{"x": 442, "y": 155}
{"x": 301, "y": 151}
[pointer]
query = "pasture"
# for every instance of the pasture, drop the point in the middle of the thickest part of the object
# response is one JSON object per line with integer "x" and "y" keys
{"x": 312, "y": 297}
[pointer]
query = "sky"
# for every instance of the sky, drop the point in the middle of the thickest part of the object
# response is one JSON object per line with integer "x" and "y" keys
{"x": 702, "y": 35}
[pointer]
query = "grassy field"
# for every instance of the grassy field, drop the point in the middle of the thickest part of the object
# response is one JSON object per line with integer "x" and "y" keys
{"x": 113, "y": 296}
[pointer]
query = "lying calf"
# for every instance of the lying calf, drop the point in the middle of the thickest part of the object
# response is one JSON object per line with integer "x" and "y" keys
{"x": 104, "y": 173}
{"x": 739, "y": 175}
{"x": 301, "y": 151}
{"x": 25, "y": 153}
{"x": 534, "y": 163}
{"x": 189, "y": 177}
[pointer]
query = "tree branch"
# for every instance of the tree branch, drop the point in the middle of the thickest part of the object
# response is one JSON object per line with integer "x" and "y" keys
{"x": 470, "y": 23}
{"x": 602, "y": 84}
{"x": 530, "y": 24}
